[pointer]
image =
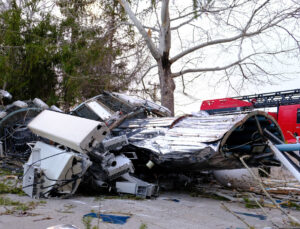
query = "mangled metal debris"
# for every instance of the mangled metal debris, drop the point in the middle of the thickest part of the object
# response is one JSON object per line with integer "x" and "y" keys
{"x": 5, "y": 94}
{"x": 128, "y": 145}
{"x": 50, "y": 169}
{"x": 78, "y": 140}
{"x": 14, "y": 131}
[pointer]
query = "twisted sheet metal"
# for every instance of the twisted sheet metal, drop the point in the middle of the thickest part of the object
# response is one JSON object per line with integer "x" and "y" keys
{"x": 183, "y": 135}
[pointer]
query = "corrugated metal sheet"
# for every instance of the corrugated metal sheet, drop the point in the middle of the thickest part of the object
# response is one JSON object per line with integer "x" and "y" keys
{"x": 189, "y": 134}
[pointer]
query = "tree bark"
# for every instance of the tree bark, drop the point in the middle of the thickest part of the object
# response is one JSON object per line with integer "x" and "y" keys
{"x": 167, "y": 85}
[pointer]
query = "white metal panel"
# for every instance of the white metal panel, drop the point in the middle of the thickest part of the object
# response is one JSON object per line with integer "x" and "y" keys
{"x": 77, "y": 133}
{"x": 57, "y": 166}
{"x": 284, "y": 160}
{"x": 99, "y": 110}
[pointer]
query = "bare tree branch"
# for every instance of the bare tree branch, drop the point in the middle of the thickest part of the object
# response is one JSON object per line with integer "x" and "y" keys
{"x": 148, "y": 70}
{"x": 210, "y": 43}
{"x": 275, "y": 20}
{"x": 141, "y": 29}
{"x": 238, "y": 62}
{"x": 183, "y": 23}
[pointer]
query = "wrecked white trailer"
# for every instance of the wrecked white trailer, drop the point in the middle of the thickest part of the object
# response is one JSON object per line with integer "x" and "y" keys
{"x": 132, "y": 146}
{"x": 128, "y": 145}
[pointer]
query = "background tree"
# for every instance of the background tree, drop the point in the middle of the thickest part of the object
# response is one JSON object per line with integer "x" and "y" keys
{"x": 95, "y": 49}
{"x": 66, "y": 57}
{"x": 240, "y": 38}
{"x": 27, "y": 52}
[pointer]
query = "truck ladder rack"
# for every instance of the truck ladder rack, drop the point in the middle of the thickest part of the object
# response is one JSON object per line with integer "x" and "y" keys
{"x": 272, "y": 99}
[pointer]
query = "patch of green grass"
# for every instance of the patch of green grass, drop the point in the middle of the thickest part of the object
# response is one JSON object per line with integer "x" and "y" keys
{"x": 197, "y": 193}
{"x": 143, "y": 226}
{"x": 6, "y": 172}
{"x": 251, "y": 204}
{"x": 9, "y": 172}
{"x": 87, "y": 222}
{"x": 292, "y": 205}
{"x": 17, "y": 206}
{"x": 295, "y": 224}
{"x": 22, "y": 207}
{"x": 4, "y": 201}
{"x": 6, "y": 188}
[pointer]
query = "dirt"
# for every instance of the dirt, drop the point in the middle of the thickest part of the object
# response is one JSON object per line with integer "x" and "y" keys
{"x": 169, "y": 210}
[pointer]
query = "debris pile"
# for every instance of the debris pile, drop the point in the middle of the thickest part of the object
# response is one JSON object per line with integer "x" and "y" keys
{"x": 114, "y": 142}
{"x": 14, "y": 133}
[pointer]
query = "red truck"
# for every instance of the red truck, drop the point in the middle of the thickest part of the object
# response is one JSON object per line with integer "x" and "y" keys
{"x": 287, "y": 104}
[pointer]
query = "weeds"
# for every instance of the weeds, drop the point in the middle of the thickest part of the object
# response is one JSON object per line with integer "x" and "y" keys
{"x": 291, "y": 205}
{"x": 196, "y": 193}
{"x": 6, "y": 188}
{"x": 8, "y": 172}
{"x": 143, "y": 226}
{"x": 18, "y": 207}
{"x": 4, "y": 201}
{"x": 87, "y": 222}
{"x": 251, "y": 204}
{"x": 67, "y": 208}
{"x": 122, "y": 197}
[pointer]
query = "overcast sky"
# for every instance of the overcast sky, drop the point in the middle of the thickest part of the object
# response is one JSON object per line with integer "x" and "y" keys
{"x": 204, "y": 89}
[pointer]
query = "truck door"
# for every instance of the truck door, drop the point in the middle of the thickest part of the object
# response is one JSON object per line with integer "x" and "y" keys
{"x": 298, "y": 121}
{"x": 289, "y": 121}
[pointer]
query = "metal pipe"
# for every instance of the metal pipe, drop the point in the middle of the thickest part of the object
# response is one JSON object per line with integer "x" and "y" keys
{"x": 290, "y": 165}
{"x": 288, "y": 147}
{"x": 281, "y": 147}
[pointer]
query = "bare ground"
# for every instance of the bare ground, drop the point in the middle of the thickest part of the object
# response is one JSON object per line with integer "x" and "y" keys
{"x": 162, "y": 212}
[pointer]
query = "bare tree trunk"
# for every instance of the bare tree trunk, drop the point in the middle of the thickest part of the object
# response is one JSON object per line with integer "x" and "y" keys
{"x": 167, "y": 85}
{"x": 160, "y": 54}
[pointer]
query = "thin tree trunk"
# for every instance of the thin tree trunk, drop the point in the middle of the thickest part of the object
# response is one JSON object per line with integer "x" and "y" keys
{"x": 167, "y": 85}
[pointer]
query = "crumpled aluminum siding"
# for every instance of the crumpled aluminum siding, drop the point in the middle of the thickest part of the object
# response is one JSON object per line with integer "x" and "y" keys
{"x": 191, "y": 134}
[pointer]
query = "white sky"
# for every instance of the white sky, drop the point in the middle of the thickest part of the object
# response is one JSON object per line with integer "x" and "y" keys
{"x": 203, "y": 90}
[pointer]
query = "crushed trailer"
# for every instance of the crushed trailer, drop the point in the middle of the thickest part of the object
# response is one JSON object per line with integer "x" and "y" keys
{"x": 114, "y": 142}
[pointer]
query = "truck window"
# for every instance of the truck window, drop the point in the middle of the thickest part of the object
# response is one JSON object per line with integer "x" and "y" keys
{"x": 298, "y": 115}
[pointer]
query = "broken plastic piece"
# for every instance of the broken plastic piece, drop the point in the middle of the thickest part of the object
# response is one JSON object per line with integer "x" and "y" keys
{"x": 137, "y": 187}
{"x": 5, "y": 94}
{"x": 115, "y": 219}
{"x": 261, "y": 217}
{"x": 150, "y": 164}
{"x": 55, "y": 108}
{"x": 40, "y": 103}
{"x": 20, "y": 104}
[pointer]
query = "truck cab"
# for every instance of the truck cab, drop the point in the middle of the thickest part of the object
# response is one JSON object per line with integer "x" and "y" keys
{"x": 289, "y": 121}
